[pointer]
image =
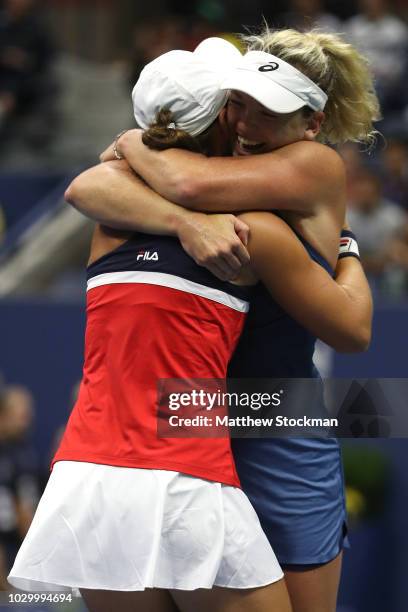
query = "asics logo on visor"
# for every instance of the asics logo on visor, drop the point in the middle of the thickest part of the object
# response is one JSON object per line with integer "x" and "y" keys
{"x": 268, "y": 67}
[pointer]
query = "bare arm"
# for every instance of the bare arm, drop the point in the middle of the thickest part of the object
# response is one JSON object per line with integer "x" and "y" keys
{"x": 297, "y": 177}
{"x": 339, "y": 311}
{"x": 115, "y": 197}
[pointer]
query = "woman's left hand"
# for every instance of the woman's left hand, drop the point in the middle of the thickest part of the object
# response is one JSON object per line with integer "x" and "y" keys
{"x": 117, "y": 150}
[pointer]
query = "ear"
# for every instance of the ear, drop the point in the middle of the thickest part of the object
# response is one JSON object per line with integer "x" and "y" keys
{"x": 313, "y": 125}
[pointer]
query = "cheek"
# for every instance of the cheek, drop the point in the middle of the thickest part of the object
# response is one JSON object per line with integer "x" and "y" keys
{"x": 292, "y": 132}
{"x": 281, "y": 134}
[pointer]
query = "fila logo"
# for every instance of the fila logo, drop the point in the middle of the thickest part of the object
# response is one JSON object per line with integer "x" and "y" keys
{"x": 268, "y": 67}
{"x": 147, "y": 256}
{"x": 345, "y": 244}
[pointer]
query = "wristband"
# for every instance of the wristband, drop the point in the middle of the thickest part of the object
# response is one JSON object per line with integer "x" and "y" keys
{"x": 115, "y": 145}
{"x": 348, "y": 245}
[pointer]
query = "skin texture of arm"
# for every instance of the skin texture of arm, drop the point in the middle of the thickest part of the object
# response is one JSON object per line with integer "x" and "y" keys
{"x": 297, "y": 177}
{"x": 305, "y": 180}
{"x": 115, "y": 197}
{"x": 339, "y": 311}
{"x": 341, "y": 316}
{"x": 107, "y": 193}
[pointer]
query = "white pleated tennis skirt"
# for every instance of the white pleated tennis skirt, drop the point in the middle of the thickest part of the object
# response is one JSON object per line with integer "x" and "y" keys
{"x": 127, "y": 529}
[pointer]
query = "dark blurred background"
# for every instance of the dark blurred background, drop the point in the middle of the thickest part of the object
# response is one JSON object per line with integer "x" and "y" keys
{"x": 66, "y": 72}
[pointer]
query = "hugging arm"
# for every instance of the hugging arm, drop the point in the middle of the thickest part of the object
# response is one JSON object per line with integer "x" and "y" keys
{"x": 339, "y": 311}
{"x": 115, "y": 197}
{"x": 296, "y": 177}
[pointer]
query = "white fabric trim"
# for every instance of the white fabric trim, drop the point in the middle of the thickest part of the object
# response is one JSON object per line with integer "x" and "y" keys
{"x": 171, "y": 281}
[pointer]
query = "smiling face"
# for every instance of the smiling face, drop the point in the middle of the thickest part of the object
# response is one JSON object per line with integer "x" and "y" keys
{"x": 255, "y": 129}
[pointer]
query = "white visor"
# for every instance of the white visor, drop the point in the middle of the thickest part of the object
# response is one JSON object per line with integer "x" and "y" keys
{"x": 274, "y": 83}
{"x": 186, "y": 83}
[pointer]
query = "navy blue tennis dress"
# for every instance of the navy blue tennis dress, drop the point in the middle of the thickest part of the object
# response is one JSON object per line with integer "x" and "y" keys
{"x": 295, "y": 484}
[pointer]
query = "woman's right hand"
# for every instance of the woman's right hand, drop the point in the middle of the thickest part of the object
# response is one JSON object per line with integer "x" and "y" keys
{"x": 216, "y": 242}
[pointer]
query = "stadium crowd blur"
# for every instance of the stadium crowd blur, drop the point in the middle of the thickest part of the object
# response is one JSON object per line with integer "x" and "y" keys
{"x": 26, "y": 84}
{"x": 23, "y": 472}
{"x": 20, "y": 477}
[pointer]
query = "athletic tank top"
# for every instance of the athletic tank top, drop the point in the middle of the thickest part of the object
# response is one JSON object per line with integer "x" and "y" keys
{"x": 152, "y": 313}
{"x": 273, "y": 345}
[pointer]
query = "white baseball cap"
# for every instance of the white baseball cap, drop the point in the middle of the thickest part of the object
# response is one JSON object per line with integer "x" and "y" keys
{"x": 186, "y": 83}
{"x": 274, "y": 83}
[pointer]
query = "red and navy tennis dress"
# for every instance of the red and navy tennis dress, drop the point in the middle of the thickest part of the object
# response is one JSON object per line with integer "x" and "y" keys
{"x": 152, "y": 313}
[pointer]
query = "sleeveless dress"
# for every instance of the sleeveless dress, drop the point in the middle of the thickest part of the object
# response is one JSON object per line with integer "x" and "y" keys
{"x": 295, "y": 484}
{"x": 126, "y": 509}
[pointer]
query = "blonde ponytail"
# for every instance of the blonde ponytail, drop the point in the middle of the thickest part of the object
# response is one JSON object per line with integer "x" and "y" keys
{"x": 339, "y": 69}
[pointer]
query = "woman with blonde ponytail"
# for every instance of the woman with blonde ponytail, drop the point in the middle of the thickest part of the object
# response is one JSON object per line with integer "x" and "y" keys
{"x": 341, "y": 72}
{"x": 291, "y": 96}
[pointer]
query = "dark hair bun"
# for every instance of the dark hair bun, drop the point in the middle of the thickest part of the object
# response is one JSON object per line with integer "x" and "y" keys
{"x": 160, "y": 136}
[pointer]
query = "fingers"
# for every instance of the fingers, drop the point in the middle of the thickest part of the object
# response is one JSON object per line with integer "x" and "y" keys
{"x": 225, "y": 262}
{"x": 231, "y": 263}
{"x": 214, "y": 244}
{"x": 242, "y": 230}
{"x": 220, "y": 267}
{"x": 220, "y": 272}
{"x": 108, "y": 154}
{"x": 241, "y": 253}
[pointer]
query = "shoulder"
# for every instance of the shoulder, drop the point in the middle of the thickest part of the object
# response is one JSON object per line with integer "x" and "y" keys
{"x": 318, "y": 160}
{"x": 313, "y": 151}
{"x": 309, "y": 152}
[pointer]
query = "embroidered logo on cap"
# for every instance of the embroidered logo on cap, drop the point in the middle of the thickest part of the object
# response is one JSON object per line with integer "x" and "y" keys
{"x": 268, "y": 67}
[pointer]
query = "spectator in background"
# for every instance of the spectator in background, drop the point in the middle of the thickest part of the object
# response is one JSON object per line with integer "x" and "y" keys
{"x": 383, "y": 38}
{"x": 26, "y": 54}
{"x": 307, "y": 14}
{"x": 19, "y": 478}
{"x": 394, "y": 161}
{"x": 151, "y": 39}
{"x": 381, "y": 227}
{"x": 354, "y": 165}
